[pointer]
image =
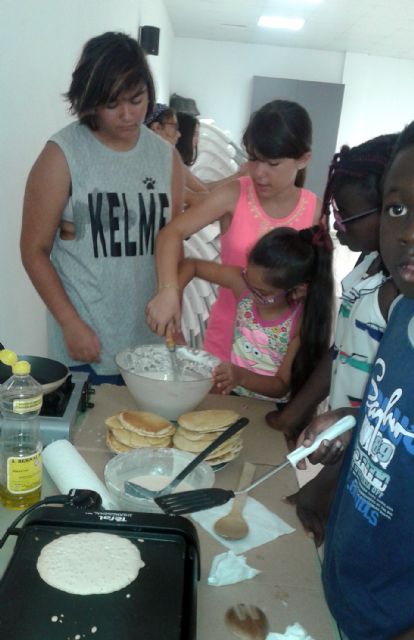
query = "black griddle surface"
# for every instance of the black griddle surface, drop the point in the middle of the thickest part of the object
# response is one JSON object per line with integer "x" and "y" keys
{"x": 158, "y": 605}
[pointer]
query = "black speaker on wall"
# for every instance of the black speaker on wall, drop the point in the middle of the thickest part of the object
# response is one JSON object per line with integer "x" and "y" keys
{"x": 149, "y": 39}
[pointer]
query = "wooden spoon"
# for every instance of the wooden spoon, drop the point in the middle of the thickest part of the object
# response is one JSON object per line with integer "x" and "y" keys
{"x": 247, "y": 621}
{"x": 233, "y": 526}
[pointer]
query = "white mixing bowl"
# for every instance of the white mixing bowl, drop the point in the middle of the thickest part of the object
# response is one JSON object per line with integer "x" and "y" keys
{"x": 149, "y": 376}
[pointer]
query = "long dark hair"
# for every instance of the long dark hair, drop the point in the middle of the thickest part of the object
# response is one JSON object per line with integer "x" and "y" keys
{"x": 291, "y": 258}
{"x": 280, "y": 129}
{"x": 187, "y": 124}
{"x": 109, "y": 65}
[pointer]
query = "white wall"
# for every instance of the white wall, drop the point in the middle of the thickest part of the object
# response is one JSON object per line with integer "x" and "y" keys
{"x": 378, "y": 96}
{"x": 218, "y": 75}
{"x": 40, "y": 42}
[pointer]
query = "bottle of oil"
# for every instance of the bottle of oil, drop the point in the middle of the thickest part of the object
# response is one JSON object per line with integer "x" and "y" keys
{"x": 20, "y": 447}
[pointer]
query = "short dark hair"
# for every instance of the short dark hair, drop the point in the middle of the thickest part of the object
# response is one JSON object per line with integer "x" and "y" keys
{"x": 160, "y": 113}
{"x": 405, "y": 139}
{"x": 109, "y": 65}
{"x": 279, "y": 129}
{"x": 187, "y": 124}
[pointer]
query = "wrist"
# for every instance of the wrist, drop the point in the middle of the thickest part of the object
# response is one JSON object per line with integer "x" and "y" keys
{"x": 168, "y": 285}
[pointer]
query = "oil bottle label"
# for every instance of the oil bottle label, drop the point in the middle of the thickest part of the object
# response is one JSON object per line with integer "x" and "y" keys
{"x": 27, "y": 405}
{"x": 24, "y": 474}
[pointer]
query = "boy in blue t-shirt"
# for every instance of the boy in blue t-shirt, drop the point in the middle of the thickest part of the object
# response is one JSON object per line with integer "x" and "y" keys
{"x": 368, "y": 571}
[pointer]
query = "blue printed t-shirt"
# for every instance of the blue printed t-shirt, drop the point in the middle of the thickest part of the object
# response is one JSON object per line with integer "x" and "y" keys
{"x": 368, "y": 571}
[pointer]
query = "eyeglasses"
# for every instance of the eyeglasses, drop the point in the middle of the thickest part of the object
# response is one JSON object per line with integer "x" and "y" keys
{"x": 259, "y": 296}
{"x": 341, "y": 223}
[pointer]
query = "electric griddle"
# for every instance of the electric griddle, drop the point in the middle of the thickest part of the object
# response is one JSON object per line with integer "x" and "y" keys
{"x": 159, "y": 605}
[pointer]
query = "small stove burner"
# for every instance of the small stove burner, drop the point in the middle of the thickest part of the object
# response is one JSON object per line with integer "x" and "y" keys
{"x": 62, "y": 406}
{"x": 55, "y": 402}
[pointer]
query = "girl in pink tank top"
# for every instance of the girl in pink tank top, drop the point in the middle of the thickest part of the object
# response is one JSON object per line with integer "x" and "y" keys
{"x": 249, "y": 223}
{"x": 278, "y": 142}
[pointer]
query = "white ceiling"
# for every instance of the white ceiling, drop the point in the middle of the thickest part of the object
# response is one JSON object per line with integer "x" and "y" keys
{"x": 376, "y": 27}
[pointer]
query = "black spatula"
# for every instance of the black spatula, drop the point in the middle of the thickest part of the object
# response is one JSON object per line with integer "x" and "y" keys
{"x": 199, "y": 499}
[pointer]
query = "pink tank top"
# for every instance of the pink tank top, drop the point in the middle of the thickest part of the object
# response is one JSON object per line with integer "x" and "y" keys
{"x": 249, "y": 223}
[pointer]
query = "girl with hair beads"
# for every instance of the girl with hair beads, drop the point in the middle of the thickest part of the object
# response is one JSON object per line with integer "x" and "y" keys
{"x": 278, "y": 142}
{"x": 284, "y": 303}
{"x": 353, "y": 195}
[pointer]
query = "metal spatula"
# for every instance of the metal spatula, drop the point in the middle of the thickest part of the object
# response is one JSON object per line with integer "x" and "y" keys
{"x": 137, "y": 490}
{"x": 199, "y": 499}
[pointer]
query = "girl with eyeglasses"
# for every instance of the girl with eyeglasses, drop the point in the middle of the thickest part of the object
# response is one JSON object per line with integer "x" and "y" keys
{"x": 162, "y": 120}
{"x": 353, "y": 197}
{"x": 278, "y": 142}
{"x": 283, "y": 319}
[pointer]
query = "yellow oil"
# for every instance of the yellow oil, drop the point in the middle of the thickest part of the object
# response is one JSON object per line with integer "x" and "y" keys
{"x": 19, "y": 501}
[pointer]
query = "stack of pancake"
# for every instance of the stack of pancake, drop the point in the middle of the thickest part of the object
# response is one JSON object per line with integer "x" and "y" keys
{"x": 134, "y": 429}
{"x": 197, "y": 429}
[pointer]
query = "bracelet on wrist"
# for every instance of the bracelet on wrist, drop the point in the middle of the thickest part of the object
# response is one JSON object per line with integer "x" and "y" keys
{"x": 168, "y": 286}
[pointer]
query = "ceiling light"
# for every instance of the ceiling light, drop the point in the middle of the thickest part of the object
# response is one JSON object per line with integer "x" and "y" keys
{"x": 280, "y": 22}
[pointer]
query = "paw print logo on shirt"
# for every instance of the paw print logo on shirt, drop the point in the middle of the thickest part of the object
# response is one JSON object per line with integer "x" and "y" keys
{"x": 149, "y": 183}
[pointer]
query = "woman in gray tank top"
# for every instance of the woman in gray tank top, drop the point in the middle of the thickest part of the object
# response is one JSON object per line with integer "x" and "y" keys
{"x": 95, "y": 199}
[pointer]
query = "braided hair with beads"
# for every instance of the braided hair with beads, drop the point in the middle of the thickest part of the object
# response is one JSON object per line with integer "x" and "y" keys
{"x": 364, "y": 165}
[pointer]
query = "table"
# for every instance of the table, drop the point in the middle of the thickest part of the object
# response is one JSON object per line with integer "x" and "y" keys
{"x": 288, "y": 588}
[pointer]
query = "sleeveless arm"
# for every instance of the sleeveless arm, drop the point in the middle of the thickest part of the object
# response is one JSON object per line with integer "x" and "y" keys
{"x": 177, "y": 185}
{"x": 47, "y": 191}
{"x": 164, "y": 308}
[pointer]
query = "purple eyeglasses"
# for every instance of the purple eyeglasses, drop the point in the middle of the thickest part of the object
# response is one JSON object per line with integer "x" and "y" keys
{"x": 341, "y": 223}
{"x": 259, "y": 296}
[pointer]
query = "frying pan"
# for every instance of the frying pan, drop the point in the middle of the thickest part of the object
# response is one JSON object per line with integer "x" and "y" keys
{"x": 49, "y": 373}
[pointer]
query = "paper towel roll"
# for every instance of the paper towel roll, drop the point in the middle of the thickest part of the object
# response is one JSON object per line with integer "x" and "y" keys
{"x": 69, "y": 470}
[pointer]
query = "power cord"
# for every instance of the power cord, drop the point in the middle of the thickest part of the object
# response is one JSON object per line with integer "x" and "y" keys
{"x": 78, "y": 498}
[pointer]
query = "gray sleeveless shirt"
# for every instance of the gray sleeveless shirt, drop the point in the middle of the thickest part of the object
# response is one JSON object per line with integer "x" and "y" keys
{"x": 119, "y": 201}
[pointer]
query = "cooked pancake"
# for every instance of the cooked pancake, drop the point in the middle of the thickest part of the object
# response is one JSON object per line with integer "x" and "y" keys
{"x": 194, "y": 446}
{"x": 226, "y": 457}
{"x": 113, "y": 444}
{"x": 221, "y": 452}
{"x": 113, "y": 421}
{"x": 208, "y": 420}
{"x": 145, "y": 423}
{"x": 199, "y": 436}
{"x": 134, "y": 440}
